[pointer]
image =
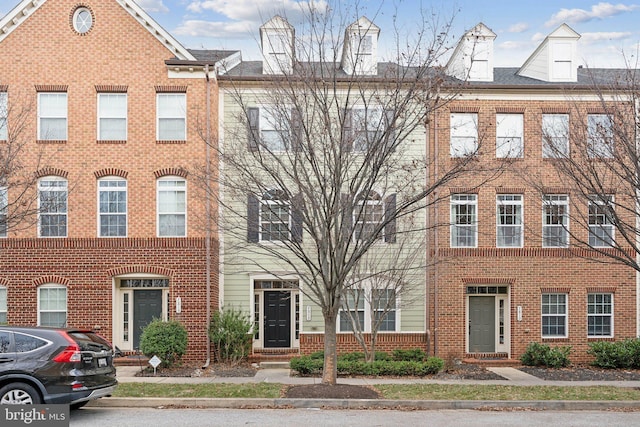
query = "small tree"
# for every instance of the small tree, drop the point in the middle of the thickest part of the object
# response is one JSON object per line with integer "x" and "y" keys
{"x": 167, "y": 340}
{"x": 229, "y": 332}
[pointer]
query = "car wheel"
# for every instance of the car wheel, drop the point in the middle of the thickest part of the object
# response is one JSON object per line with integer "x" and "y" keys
{"x": 78, "y": 405}
{"x": 19, "y": 393}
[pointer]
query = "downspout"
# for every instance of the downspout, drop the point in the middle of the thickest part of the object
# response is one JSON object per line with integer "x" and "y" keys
{"x": 435, "y": 235}
{"x": 428, "y": 240}
{"x": 207, "y": 208}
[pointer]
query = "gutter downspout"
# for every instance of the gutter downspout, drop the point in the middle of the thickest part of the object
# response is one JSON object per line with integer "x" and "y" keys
{"x": 428, "y": 240}
{"x": 435, "y": 236}
{"x": 208, "y": 212}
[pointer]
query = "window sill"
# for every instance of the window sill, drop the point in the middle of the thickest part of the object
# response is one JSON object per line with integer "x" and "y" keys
{"x": 51, "y": 141}
{"x": 555, "y": 339}
{"x": 111, "y": 141}
{"x": 161, "y": 141}
{"x": 602, "y": 338}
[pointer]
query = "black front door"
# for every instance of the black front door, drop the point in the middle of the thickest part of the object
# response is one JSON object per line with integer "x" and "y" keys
{"x": 277, "y": 319}
{"x": 147, "y": 305}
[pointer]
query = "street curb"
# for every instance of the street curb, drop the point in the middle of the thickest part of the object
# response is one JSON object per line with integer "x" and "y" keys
{"x": 282, "y": 403}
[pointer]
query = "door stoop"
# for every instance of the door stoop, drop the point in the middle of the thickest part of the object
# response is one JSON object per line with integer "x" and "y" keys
{"x": 273, "y": 355}
{"x": 491, "y": 359}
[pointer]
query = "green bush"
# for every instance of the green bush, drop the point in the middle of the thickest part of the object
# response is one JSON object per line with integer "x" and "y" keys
{"x": 167, "y": 340}
{"x": 351, "y": 365}
{"x": 229, "y": 333}
{"x": 538, "y": 354}
{"x": 412, "y": 355}
{"x": 615, "y": 355}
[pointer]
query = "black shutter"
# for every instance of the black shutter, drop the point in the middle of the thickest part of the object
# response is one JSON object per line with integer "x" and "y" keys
{"x": 253, "y": 115}
{"x": 347, "y": 130}
{"x": 390, "y": 227}
{"x": 347, "y": 215}
{"x": 389, "y": 116}
{"x": 296, "y": 130}
{"x": 253, "y": 220}
{"x": 297, "y": 210}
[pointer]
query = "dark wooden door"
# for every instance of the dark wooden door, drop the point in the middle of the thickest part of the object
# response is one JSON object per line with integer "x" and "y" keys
{"x": 277, "y": 319}
{"x": 147, "y": 305}
{"x": 482, "y": 325}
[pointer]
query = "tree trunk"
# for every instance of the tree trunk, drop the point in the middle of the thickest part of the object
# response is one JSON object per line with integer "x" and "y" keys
{"x": 330, "y": 369}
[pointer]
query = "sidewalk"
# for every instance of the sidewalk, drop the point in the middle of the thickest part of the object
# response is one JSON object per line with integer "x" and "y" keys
{"x": 512, "y": 377}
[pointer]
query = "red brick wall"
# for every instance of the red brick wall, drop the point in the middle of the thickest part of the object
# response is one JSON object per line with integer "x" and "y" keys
{"x": 346, "y": 343}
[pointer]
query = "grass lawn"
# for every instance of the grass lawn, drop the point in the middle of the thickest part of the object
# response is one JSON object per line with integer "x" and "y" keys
{"x": 388, "y": 391}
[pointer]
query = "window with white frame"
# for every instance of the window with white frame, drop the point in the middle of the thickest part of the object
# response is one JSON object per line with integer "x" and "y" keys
{"x": 4, "y": 112}
{"x": 600, "y": 314}
{"x": 479, "y": 69}
{"x": 600, "y": 142}
{"x": 601, "y": 230}
{"x": 464, "y": 220}
{"x": 4, "y": 206}
{"x": 275, "y": 216}
{"x": 3, "y": 305}
{"x": 554, "y": 315}
{"x": 509, "y": 135}
{"x": 52, "y": 305}
{"x": 274, "y": 129}
{"x": 368, "y": 124}
{"x": 509, "y": 227}
{"x": 52, "y": 207}
{"x": 562, "y": 67}
{"x": 172, "y": 117}
{"x": 172, "y": 207}
{"x": 555, "y": 221}
{"x": 112, "y": 207}
{"x": 112, "y": 116}
{"x": 555, "y": 135}
{"x": 464, "y": 134}
{"x": 368, "y": 214}
{"x": 367, "y": 309}
{"x": 52, "y": 116}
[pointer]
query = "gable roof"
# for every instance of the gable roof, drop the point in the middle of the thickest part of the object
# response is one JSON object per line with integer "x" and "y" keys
{"x": 540, "y": 58}
{"x": 26, "y": 8}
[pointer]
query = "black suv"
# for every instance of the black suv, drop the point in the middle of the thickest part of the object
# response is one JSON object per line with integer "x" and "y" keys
{"x": 51, "y": 365}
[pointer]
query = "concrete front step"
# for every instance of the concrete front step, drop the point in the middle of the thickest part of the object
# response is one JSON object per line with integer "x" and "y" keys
{"x": 274, "y": 365}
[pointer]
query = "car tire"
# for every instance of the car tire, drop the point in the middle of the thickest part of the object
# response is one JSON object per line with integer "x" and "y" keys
{"x": 78, "y": 405}
{"x": 19, "y": 393}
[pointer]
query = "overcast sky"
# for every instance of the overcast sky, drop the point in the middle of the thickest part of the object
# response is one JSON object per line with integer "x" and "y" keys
{"x": 610, "y": 31}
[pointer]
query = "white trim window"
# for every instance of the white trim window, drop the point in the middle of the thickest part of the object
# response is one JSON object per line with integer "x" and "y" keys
{"x": 172, "y": 116}
{"x": 3, "y": 305}
{"x": 112, "y": 207}
{"x": 369, "y": 308}
{"x": 600, "y": 142}
{"x": 464, "y": 220}
{"x": 275, "y": 216}
{"x": 274, "y": 129}
{"x": 4, "y": 207}
{"x": 172, "y": 207}
{"x": 509, "y": 226}
{"x": 4, "y": 112}
{"x": 509, "y": 135}
{"x": 52, "y": 207}
{"x": 555, "y": 136}
{"x": 600, "y": 314}
{"x": 52, "y": 116}
{"x": 601, "y": 229}
{"x": 554, "y": 315}
{"x": 52, "y": 305}
{"x": 555, "y": 221}
{"x": 368, "y": 214}
{"x": 367, "y": 125}
{"x": 464, "y": 134}
{"x": 112, "y": 117}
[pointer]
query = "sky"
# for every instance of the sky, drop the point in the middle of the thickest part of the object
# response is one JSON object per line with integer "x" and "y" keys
{"x": 610, "y": 34}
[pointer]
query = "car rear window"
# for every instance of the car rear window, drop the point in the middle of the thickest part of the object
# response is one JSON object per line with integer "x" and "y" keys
{"x": 90, "y": 341}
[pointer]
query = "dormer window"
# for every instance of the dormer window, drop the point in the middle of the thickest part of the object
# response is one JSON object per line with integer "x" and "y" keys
{"x": 480, "y": 61}
{"x": 562, "y": 61}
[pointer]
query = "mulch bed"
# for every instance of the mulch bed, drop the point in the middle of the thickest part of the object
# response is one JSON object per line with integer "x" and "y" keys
{"x": 582, "y": 373}
{"x": 213, "y": 370}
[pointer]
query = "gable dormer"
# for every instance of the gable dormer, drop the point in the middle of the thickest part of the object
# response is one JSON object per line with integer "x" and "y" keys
{"x": 360, "y": 50}
{"x": 472, "y": 58}
{"x": 277, "y": 37}
{"x": 556, "y": 59}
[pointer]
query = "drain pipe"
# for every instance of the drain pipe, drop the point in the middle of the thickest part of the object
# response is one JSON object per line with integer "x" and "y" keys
{"x": 208, "y": 212}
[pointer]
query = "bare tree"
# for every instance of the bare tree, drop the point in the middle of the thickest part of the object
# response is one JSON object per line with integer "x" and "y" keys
{"x": 19, "y": 161}
{"x": 321, "y": 187}
{"x": 596, "y": 160}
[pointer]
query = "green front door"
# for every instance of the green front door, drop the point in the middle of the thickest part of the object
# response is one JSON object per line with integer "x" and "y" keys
{"x": 147, "y": 305}
{"x": 482, "y": 324}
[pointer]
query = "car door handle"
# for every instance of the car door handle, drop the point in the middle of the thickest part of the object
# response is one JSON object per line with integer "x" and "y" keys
{"x": 6, "y": 360}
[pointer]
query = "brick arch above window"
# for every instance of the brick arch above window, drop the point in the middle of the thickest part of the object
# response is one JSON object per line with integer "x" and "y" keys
{"x": 4, "y": 282}
{"x": 52, "y": 172}
{"x": 111, "y": 172}
{"x": 182, "y": 173}
{"x": 51, "y": 279}
{"x": 139, "y": 269}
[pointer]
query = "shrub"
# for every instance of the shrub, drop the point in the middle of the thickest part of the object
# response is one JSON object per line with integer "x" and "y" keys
{"x": 229, "y": 333}
{"x": 414, "y": 354}
{"x": 167, "y": 340}
{"x": 352, "y": 365}
{"x": 542, "y": 355}
{"x": 614, "y": 355}
{"x": 306, "y": 365}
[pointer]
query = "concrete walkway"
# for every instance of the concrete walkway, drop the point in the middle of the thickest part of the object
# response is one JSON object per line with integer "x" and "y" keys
{"x": 512, "y": 377}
